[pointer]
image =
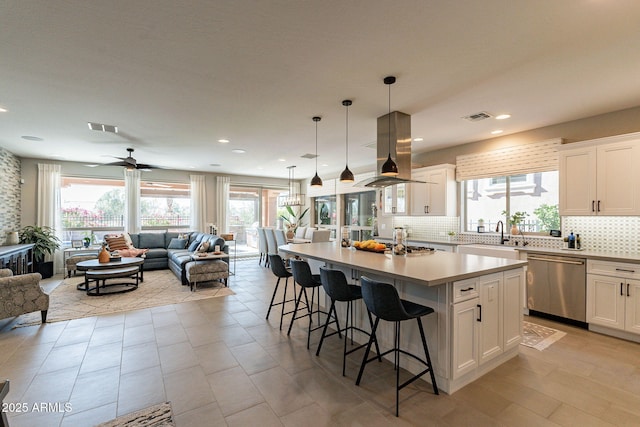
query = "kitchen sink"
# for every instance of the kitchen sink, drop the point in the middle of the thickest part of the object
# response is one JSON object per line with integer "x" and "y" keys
{"x": 490, "y": 250}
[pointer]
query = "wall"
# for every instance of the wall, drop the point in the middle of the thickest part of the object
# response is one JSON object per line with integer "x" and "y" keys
{"x": 30, "y": 176}
{"x": 10, "y": 194}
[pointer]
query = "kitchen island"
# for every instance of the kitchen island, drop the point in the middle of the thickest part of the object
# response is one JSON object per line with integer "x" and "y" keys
{"x": 477, "y": 324}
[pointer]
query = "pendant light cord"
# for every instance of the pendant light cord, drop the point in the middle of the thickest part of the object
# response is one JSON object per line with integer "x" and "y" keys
{"x": 316, "y": 145}
{"x": 347, "y": 133}
{"x": 389, "y": 119}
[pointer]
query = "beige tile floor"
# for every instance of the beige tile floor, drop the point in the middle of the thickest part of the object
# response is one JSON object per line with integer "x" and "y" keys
{"x": 220, "y": 363}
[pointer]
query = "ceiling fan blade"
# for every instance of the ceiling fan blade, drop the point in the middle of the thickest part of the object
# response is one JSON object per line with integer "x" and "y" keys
{"x": 143, "y": 167}
{"x": 115, "y": 164}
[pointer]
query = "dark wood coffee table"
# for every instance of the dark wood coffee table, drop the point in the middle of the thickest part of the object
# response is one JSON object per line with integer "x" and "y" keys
{"x": 100, "y": 271}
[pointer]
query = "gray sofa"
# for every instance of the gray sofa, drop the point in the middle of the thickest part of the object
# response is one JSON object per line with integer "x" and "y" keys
{"x": 161, "y": 255}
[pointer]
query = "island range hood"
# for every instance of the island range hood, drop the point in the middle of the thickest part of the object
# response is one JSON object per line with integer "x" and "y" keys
{"x": 399, "y": 124}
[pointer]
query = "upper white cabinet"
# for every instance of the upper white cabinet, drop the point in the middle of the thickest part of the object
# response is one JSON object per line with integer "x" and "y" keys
{"x": 395, "y": 199}
{"x": 600, "y": 177}
{"x": 438, "y": 196}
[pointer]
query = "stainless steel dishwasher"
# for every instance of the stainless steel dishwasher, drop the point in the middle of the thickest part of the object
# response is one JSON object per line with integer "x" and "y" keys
{"x": 557, "y": 285}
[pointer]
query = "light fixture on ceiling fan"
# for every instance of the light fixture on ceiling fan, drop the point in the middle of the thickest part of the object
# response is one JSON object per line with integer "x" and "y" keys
{"x": 316, "y": 181}
{"x": 389, "y": 168}
{"x": 130, "y": 163}
{"x": 347, "y": 175}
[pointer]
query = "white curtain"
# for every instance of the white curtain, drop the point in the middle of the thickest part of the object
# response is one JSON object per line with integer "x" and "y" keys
{"x": 132, "y": 223}
{"x": 49, "y": 207}
{"x": 222, "y": 202}
{"x": 198, "y": 203}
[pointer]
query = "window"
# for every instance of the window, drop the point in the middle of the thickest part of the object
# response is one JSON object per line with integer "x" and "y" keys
{"x": 536, "y": 194}
{"x": 165, "y": 205}
{"x": 91, "y": 204}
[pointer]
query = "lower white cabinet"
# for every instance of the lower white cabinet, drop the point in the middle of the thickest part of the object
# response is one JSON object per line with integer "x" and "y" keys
{"x": 489, "y": 322}
{"x": 613, "y": 295}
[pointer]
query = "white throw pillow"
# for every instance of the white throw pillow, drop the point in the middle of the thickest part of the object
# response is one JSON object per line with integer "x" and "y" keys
{"x": 203, "y": 247}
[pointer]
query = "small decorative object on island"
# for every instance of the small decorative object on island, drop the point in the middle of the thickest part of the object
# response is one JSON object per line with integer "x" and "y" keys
{"x": 87, "y": 241}
{"x": 346, "y": 240}
{"x": 104, "y": 256}
{"x": 399, "y": 241}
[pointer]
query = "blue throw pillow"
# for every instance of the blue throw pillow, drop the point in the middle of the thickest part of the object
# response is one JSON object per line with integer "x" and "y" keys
{"x": 177, "y": 243}
{"x": 193, "y": 246}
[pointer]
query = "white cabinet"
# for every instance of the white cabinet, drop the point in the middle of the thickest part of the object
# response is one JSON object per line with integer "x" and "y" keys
{"x": 487, "y": 319}
{"x": 438, "y": 196}
{"x": 600, "y": 177}
{"x": 395, "y": 199}
{"x": 613, "y": 295}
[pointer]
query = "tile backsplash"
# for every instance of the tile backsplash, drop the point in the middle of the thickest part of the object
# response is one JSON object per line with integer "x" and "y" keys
{"x": 599, "y": 233}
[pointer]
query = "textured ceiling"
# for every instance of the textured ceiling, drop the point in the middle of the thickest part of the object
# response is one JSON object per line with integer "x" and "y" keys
{"x": 177, "y": 76}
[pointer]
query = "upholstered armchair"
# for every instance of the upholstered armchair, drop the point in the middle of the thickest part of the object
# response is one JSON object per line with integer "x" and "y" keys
{"x": 22, "y": 294}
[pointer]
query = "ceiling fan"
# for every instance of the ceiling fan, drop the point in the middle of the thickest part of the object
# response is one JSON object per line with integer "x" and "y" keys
{"x": 130, "y": 163}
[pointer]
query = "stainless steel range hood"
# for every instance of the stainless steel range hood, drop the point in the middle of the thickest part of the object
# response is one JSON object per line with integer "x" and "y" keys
{"x": 399, "y": 124}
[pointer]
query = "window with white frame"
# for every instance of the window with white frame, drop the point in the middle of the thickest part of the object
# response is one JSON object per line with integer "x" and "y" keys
{"x": 489, "y": 200}
{"x": 165, "y": 205}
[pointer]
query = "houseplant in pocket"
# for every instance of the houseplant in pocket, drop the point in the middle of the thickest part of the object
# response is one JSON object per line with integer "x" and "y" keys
{"x": 45, "y": 243}
{"x": 293, "y": 220}
{"x": 515, "y": 220}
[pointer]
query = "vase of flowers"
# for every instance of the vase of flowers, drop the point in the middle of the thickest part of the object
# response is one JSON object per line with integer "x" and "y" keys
{"x": 515, "y": 220}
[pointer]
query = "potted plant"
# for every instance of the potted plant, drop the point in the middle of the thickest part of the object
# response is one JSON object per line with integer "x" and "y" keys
{"x": 292, "y": 221}
{"x": 87, "y": 242}
{"x": 44, "y": 242}
{"x": 515, "y": 220}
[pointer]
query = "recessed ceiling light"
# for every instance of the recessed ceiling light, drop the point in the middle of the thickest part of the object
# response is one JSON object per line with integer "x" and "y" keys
{"x": 224, "y": 141}
{"x": 502, "y": 116}
{"x": 324, "y": 164}
{"x": 238, "y": 151}
{"x": 92, "y": 166}
{"x": 3, "y": 110}
{"x": 418, "y": 139}
{"x": 32, "y": 138}
{"x": 282, "y": 160}
{"x": 496, "y": 132}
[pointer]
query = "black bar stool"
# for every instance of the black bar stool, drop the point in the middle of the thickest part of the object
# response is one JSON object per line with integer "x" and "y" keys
{"x": 302, "y": 276}
{"x": 280, "y": 271}
{"x": 335, "y": 285}
{"x": 383, "y": 301}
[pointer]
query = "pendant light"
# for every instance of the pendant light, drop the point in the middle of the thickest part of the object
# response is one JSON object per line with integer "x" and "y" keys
{"x": 389, "y": 168}
{"x": 316, "y": 181}
{"x": 347, "y": 175}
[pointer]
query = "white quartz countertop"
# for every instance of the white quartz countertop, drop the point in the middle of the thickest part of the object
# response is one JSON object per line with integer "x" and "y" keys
{"x": 431, "y": 270}
{"x": 589, "y": 254}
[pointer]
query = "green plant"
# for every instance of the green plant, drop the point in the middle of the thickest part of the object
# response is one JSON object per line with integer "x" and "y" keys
{"x": 44, "y": 240}
{"x": 548, "y": 216}
{"x": 516, "y": 218}
{"x": 293, "y": 220}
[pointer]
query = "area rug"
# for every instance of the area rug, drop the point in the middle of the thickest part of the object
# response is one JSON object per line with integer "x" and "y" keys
{"x": 154, "y": 416}
{"x": 539, "y": 337}
{"x": 160, "y": 287}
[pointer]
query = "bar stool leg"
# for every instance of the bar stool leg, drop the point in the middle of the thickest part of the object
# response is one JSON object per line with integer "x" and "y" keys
{"x": 273, "y": 297}
{"x": 426, "y": 352}
{"x": 366, "y": 353}
{"x": 332, "y": 309}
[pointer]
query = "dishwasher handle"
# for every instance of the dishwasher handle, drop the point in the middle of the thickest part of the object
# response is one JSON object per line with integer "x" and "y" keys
{"x": 558, "y": 260}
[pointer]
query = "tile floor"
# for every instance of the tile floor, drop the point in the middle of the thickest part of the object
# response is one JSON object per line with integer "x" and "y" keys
{"x": 220, "y": 363}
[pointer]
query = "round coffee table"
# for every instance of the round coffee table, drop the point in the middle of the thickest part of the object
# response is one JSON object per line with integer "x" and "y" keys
{"x": 100, "y": 271}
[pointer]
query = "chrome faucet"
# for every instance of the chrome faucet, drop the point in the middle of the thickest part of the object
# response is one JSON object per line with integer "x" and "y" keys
{"x": 500, "y": 228}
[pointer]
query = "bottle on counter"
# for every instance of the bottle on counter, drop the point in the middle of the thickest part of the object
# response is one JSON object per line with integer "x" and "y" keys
{"x": 572, "y": 241}
{"x": 578, "y": 242}
{"x": 399, "y": 241}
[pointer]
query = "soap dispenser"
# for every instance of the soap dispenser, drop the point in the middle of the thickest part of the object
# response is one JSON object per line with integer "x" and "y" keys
{"x": 572, "y": 241}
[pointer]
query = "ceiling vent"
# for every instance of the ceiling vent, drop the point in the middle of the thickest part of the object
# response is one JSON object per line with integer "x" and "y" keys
{"x": 103, "y": 128}
{"x": 309, "y": 156}
{"x": 482, "y": 115}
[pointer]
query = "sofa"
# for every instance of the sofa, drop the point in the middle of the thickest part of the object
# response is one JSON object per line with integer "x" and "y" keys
{"x": 22, "y": 294}
{"x": 167, "y": 250}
